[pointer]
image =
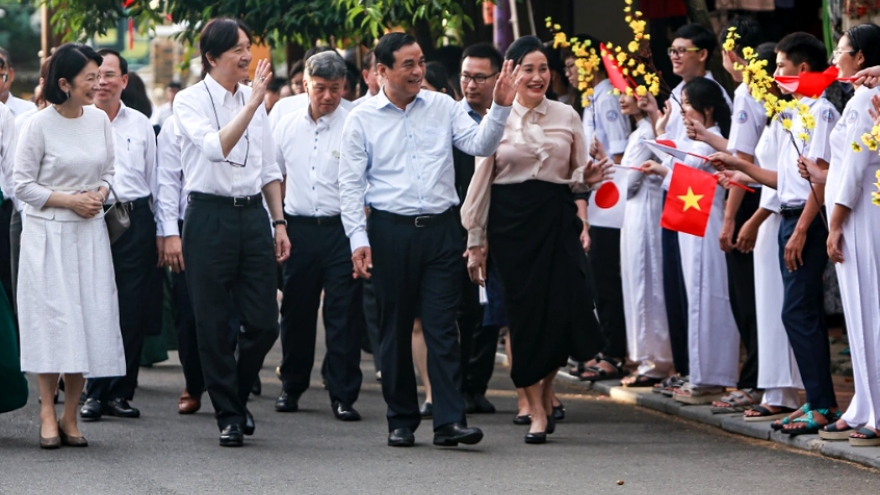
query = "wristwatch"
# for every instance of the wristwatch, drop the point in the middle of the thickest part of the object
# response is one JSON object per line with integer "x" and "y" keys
{"x": 276, "y": 223}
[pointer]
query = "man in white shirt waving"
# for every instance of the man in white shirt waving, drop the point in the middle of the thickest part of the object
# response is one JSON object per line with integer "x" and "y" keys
{"x": 229, "y": 166}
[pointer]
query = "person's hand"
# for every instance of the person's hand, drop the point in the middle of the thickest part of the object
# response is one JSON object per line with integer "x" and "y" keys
{"x": 663, "y": 119}
{"x": 874, "y": 111}
{"x": 648, "y": 104}
{"x": 695, "y": 129}
{"x": 834, "y": 244}
{"x": 362, "y": 259}
{"x": 794, "y": 249}
{"x": 723, "y": 161}
{"x": 507, "y": 84}
{"x": 651, "y": 167}
{"x": 586, "y": 241}
{"x": 476, "y": 264}
{"x": 597, "y": 151}
{"x": 869, "y": 77}
{"x": 748, "y": 234}
{"x": 726, "y": 237}
{"x": 811, "y": 170}
{"x": 174, "y": 254}
{"x": 160, "y": 250}
{"x": 282, "y": 244}
{"x": 599, "y": 171}
{"x": 86, "y": 204}
{"x": 262, "y": 77}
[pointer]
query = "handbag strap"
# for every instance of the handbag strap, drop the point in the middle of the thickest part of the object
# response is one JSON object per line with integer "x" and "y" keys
{"x": 113, "y": 192}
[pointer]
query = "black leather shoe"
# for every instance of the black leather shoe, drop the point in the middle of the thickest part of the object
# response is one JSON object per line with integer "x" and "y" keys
{"x": 344, "y": 413}
{"x": 455, "y": 433}
{"x": 551, "y": 424}
{"x": 257, "y": 387}
{"x": 121, "y": 408}
{"x": 427, "y": 410}
{"x": 559, "y": 412}
{"x": 401, "y": 437}
{"x": 525, "y": 419}
{"x": 249, "y": 424}
{"x": 482, "y": 405}
{"x": 92, "y": 410}
{"x": 231, "y": 436}
{"x": 286, "y": 403}
{"x": 536, "y": 438}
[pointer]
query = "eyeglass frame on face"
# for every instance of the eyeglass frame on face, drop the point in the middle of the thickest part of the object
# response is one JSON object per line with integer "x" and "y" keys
{"x": 674, "y": 52}
{"x": 835, "y": 55}
{"x": 4, "y": 65}
{"x": 478, "y": 79}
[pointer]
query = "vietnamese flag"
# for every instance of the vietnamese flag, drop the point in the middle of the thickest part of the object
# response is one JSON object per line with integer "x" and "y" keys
{"x": 689, "y": 200}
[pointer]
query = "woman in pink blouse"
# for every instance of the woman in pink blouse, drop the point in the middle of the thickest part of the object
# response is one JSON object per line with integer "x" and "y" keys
{"x": 521, "y": 206}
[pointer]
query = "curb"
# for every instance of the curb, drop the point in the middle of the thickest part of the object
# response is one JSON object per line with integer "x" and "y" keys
{"x": 733, "y": 423}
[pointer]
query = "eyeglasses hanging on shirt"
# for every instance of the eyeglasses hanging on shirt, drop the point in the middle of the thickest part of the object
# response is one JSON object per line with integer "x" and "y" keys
{"x": 246, "y": 131}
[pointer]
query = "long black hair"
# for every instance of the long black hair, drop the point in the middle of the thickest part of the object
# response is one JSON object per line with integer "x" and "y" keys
{"x": 436, "y": 76}
{"x": 865, "y": 38}
{"x": 703, "y": 94}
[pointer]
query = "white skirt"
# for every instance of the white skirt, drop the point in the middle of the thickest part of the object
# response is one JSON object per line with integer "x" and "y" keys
{"x": 67, "y": 302}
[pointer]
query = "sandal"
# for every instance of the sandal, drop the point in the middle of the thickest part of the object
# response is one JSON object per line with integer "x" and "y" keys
{"x": 695, "y": 395}
{"x": 833, "y": 432}
{"x": 809, "y": 419}
{"x": 871, "y": 438}
{"x": 779, "y": 424}
{"x": 640, "y": 381}
{"x": 765, "y": 414}
{"x": 736, "y": 401}
{"x": 679, "y": 382}
{"x": 666, "y": 382}
{"x": 600, "y": 373}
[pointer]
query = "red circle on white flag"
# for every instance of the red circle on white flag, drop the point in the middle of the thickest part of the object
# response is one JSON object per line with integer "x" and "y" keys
{"x": 608, "y": 195}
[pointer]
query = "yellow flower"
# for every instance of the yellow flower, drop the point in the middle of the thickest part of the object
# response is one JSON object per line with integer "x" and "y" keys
{"x": 615, "y": 92}
{"x": 873, "y": 146}
{"x": 875, "y": 198}
{"x": 804, "y": 137}
{"x": 867, "y": 138}
{"x": 621, "y": 58}
{"x": 633, "y": 46}
{"x": 786, "y": 124}
{"x": 856, "y": 148}
{"x": 628, "y": 2}
{"x": 748, "y": 52}
{"x": 729, "y": 45}
{"x": 641, "y": 91}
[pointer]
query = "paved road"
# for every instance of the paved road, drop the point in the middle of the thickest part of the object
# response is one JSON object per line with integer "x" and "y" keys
{"x": 599, "y": 443}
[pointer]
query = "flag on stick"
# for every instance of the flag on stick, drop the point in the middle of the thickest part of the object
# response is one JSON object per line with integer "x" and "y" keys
{"x": 689, "y": 200}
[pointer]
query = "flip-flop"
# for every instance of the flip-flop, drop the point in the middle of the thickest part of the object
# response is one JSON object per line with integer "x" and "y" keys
{"x": 696, "y": 395}
{"x": 804, "y": 409}
{"x": 872, "y": 439}
{"x": 738, "y": 401}
{"x": 766, "y": 414}
{"x": 642, "y": 381}
{"x": 603, "y": 374}
{"x": 832, "y": 432}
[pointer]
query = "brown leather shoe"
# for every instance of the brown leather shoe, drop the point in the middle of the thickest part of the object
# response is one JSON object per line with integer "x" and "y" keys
{"x": 188, "y": 404}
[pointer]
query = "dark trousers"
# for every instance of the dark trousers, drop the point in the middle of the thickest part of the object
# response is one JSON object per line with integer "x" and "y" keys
{"x": 230, "y": 249}
{"x": 418, "y": 266}
{"x": 676, "y": 301}
{"x": 741, "y": 286}
{"x": 320, "y": 259}
{"x": 604, "y": 260}
{"x": 477, "y": 345}
{"x": 139, "y": 286}
{"x": 187, "y": 339}
{"x": 6, "y": 209}
{"x": 371, "y": 317}
{"x": 803, "y": 312}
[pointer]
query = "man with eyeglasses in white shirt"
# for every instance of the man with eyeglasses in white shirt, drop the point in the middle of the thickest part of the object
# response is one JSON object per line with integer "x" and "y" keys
{"x": 7, "y": 76}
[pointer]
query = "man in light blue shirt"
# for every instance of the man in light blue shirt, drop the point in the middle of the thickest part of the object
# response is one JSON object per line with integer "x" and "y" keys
{"x": 397, "y": 159}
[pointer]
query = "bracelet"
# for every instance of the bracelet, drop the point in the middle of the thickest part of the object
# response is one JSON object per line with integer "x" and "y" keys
{"x": 586, "y": 223}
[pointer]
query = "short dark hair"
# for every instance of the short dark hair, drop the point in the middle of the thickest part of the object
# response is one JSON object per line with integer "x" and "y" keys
{"x": 296, "y": 68}
{"x": 865, "y": 38}
{"x": 803, "y": 47}
{"x": 524, "y": 46}
{"x": 174, "y": 85}
{"x": 389, "y": 44}
{"x": 218, "y": 36}
{"x": 701, "y": 37}
{"x": 369, "y": 60}
{"x": 748, "y": 33}
{"x": 436, "y": 75}
{"x": 66, "y": 63}
{"x": 276, "y": 84}
{"x": 123, "y": 64}
{"x": 703, "y": 94}
{"x": 135, "y": 95}
{"x": 485, "y": 50}
{"x": 352, "y": 75}
{"x": 7, "y": 59}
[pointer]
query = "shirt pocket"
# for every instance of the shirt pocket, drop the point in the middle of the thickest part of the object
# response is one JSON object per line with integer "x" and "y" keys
{"x": 328, "y": 171}
{"x": 434, "y": 141}
{"x": 136, "y": 150}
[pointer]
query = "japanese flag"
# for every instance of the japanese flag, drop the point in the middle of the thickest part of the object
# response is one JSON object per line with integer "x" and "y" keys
{"x": 607, "y": 204}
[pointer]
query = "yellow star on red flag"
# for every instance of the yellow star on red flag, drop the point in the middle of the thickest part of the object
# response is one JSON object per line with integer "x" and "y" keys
{"x": 691, "y": 200}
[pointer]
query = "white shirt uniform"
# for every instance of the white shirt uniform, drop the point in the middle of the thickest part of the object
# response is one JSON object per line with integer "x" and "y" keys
{"x": 362, "y": 99}
{"x": 291, "y": 104}
{"x": 308, "y": 154}
{"x": 201, "y": 110}
{"x": 675, "y": 128}
{"x": 172, "y": 200}
{"x": 794, "y": 190}
{"x": 8, "y": 140}
{"x": 136, "y": 175}
{"x": 749, "y": 118}
{"x": 161, "y": 114}
{"x": 19, "y": 106}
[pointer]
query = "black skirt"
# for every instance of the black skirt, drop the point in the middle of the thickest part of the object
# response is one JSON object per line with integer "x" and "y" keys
{"x": 534, "y": 239}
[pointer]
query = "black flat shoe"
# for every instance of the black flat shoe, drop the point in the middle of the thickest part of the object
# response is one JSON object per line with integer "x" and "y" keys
{"x": 121, "y": 409}
{"x": 427, "y": 410}
{"x": 536, "y": 438}
{"x": 401, "y": 437}
{"x": 92, "y": 410}
{"x": 344, "y": 413}
{"x": 231, "y": 436}
{"x": 454, "y": 433}
{"x": 525, "y": 419}
{"x": 559, "y": 412}
{"x": 249, "y": 424}
{"x": 551, "y": 425}
{"x": 286, "y": 403}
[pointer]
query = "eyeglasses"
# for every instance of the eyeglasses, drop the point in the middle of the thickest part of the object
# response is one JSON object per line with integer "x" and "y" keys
{"x": 679, "y": 52}
{"x": 247, "y": 139}
{"x": 836, "y": 54}
{"x": 479, "y": 78}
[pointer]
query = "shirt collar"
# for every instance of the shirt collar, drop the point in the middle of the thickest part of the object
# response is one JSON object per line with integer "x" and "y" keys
{"x": 382, "y": 100}
{"x": 602, "y": 88}
{"x": 470, "y": 110}
{"x": 218, "y": 92}
{"x": 520, "y": 110}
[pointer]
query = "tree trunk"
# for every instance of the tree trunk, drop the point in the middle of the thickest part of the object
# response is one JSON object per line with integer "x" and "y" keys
{"x": 698, "y": 12}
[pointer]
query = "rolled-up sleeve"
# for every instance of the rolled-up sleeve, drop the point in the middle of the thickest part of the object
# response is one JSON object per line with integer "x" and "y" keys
{"x": 197, "y": 127}
{"x": 478, "y": 140}
{"x": 353, "y": 163}
{"x": 28, "y": 160}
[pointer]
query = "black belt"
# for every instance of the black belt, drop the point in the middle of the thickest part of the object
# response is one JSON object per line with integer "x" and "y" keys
{"x": 136, "y": 204}
{"x": 319, "y": 221}
{"x": 791, "y": 211}
{"x": 418, "y": 221}
{"x": 236, "y": 201}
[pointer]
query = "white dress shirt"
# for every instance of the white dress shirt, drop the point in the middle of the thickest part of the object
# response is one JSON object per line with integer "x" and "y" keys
{"x": 8, "y": 140}
{"x": 308, "y": 154}
{"x": 162, "y": 113}
{"x": 675, "y": 128}
{"x": 400, "y": 161}
{"x": 172, "y": 200}
{"x": 291, "y": 104}
{"x": 205, "y": 168}
{"x": 362, "y": 99}
{"x": 136, "y": 175}
{"x": 794, "y": 190}
{"x": 604, "y": 120}
{"x": 747, "y": 123}
{"x": 19, "y": 106}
